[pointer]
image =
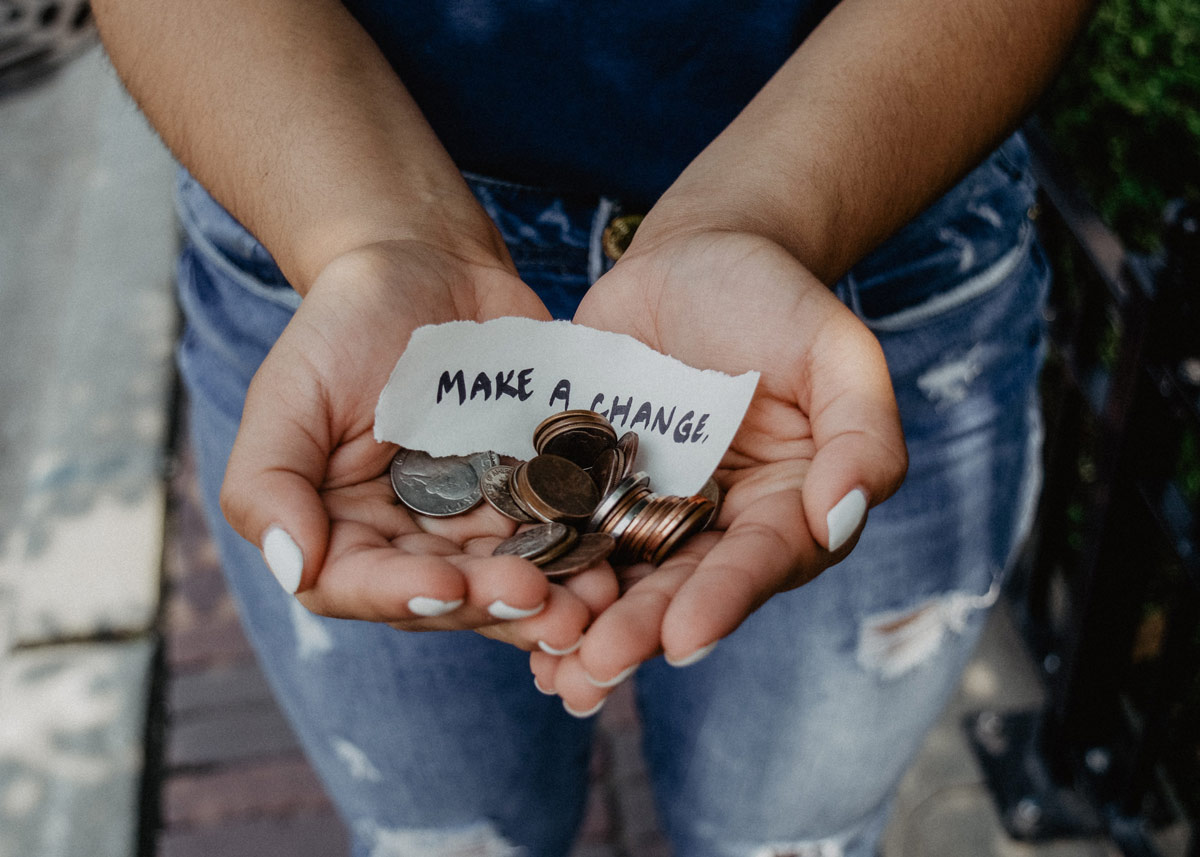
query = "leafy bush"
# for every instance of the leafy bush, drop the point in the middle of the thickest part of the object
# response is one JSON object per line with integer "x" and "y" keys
{"x": 1126, "y": 112}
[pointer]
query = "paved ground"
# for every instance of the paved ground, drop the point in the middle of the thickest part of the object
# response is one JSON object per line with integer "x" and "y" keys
{"x": 90, "y": 587}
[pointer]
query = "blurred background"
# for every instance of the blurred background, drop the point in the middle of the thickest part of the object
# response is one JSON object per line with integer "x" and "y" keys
{"x": 134, "y": 723}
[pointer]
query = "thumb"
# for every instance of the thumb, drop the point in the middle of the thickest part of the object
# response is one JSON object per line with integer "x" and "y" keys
{"x": 861, "y": 457}
{"x": 269, "y": 495}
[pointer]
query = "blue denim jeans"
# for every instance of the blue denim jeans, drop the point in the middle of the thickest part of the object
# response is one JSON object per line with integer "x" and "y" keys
{"x": 792, "y": 736}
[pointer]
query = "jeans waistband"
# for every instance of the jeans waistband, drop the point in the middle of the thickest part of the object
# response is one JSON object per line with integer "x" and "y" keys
{"x": 559, "y": 235}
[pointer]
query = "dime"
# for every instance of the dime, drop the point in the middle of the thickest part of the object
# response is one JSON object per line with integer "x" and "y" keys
{"x": 495, "y": 484}
{"x": 539, "y": 544}
{"x": 591, "y": 549}
{"x": 438, "y": 487}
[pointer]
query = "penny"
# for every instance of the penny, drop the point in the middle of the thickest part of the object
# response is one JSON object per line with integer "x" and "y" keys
{"x": 591, "y": 549}
{"x": 581, "y": 445}
{"x": 556, "y": 489}
{"x": 689, "y": 526}
{"x": 437, "y": 487}
{"x": 497, "y": 491}
{"x": 711, "y": 492}
{"x": 633, "y": 483}
{"x": 543, "y": 542}
{"x": 606, "y": 471}
{"x": 628, "y": 445}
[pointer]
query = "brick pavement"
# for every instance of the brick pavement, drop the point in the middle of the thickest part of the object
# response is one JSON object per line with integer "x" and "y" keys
{"x": 232, "y": 779}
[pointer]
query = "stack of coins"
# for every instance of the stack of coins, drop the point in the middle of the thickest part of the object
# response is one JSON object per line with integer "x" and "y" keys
{"x": 580, "y": 480}
{"x": 647, "y": 527}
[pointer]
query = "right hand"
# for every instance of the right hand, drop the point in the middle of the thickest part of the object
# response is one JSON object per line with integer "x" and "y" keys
{"x": 307, "y": 475}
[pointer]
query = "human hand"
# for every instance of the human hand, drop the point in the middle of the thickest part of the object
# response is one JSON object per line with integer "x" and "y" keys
{"x": 308, "y": 482}
{"x": 820, "y": 442}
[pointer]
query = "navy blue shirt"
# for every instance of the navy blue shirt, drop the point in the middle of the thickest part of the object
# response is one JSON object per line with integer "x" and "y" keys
{"x": 588, "y": 95}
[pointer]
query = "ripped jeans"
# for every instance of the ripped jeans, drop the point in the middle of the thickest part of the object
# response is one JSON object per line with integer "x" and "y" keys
{"x": 792, "y": 736}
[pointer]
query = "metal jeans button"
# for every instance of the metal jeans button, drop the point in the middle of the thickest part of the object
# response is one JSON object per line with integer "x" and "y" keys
{"x": 618, "y": 234}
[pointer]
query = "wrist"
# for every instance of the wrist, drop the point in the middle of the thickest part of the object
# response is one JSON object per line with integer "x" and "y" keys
{"x": 449, "y": 221}
{"x": 694, "y": 206}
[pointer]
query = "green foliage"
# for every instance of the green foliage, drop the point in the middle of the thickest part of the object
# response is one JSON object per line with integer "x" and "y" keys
{"x": 1126, "y": 111}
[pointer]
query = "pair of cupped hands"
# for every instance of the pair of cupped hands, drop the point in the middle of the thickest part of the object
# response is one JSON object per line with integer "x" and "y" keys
{"x": 820, "y": 442}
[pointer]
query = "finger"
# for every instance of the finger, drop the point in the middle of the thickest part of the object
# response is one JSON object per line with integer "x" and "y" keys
{"x": 630, "y": 631}
{"x": 860, "y": 455}
{"x": 543, "y": 667}
{"x": 423, "y": 580}
{"x": 556, "y": 630}
{"x": 766, "y": 549}
{"x": 269, "y": 494}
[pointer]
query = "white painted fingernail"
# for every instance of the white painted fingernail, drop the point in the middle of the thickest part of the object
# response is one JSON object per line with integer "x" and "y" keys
{"x": 846, "y": 517}
{"x": 583, "y": 714}
{"x": 423, "y": 606}
{"x": 542, "y": 689}
{"x": 507, "y": 612}
{"x": 698, "y": 655}
{"x": 615, "y": 680}
{"x": 283, "y": 557}
{"x": 550, "y": 650}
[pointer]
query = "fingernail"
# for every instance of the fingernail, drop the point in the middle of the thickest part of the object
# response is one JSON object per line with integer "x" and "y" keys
{"x": 542, "y": 689}
{"x": 846, "y": 517}
{"x": 615, "y": 680}
{"x": 698, "y": 655}
{"x": 507, "y": 612}
{"x": 583, "y": 714}
{"x": 283, "y": 557}
{"x": 550, "y": 650}
{"x": 423, "y": 606}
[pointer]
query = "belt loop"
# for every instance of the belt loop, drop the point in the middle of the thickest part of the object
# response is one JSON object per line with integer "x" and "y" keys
{"x": 598, "y": 262}
{"x": 846, "y": 290}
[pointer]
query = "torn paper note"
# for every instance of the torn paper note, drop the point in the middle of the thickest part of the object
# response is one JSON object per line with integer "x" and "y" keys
{"x": 463, "y": 387}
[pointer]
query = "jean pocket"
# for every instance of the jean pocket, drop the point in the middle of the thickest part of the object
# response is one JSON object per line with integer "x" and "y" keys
{"x": 955, "y": 295}
{"x": 228, "y": 247}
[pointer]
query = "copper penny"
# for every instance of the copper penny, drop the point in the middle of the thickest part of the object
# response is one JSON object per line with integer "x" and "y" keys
{"x": 591, "y": 549}
{"x": 557, "y": 489}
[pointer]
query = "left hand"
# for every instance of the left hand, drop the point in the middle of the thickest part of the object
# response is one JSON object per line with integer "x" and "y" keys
{"x": 822, "y": 424}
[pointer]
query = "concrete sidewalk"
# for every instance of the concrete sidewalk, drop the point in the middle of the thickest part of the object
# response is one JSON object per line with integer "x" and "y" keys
{"x": 87, "y": 397}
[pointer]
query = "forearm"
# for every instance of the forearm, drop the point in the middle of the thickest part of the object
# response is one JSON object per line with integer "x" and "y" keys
{"x": 880, "y": 110}
{"x": 288, "y": 113}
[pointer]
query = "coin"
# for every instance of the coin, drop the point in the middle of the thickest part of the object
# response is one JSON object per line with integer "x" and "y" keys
{"x": 591, "y": 549}
{"x": 555, "y": 489}
{"x": 692, "y": 523}
{"x": 497, "y": 491}
{"x": 438, "y": 487}
{"x": 611, "y": 503}
{"x": 580, "y": 445}
{"x": 607, "y": 469}
{"x": 711, "y": 492}
{"x": 543, "y": 542}
{"x": 628, "y": 445}
{"x": 482, "y": 462}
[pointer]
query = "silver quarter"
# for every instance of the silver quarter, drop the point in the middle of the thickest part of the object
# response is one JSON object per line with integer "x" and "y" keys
{"x": 438, "y": 487}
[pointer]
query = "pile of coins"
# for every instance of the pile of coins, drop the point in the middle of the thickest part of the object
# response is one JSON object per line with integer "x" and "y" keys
{"x": 580, "y": 490}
